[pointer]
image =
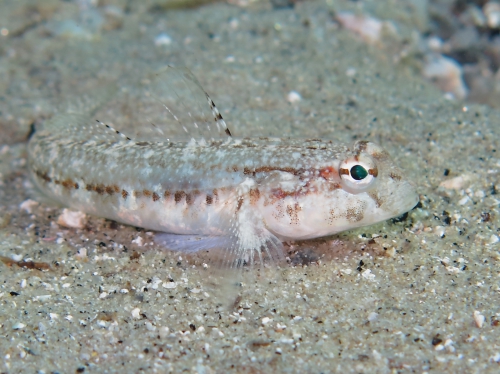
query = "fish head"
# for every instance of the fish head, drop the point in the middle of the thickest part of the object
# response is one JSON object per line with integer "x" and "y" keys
{"x": 359, "y": 188}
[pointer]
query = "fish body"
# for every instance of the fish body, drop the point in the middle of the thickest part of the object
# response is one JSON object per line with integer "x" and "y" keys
{"x": 246, "y": 195}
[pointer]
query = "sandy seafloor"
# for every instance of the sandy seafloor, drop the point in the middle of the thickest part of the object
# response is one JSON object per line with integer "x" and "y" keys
{"x": 420, "y": 294}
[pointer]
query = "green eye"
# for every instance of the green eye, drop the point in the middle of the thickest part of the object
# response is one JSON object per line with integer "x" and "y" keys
{"x": 358, "y": 172}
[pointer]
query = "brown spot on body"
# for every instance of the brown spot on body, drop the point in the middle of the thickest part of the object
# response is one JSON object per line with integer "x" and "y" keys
{"x": 124, "y": 194}
{"x": 378, "y": 201}
{"x": 254, "y": 195}
{"x": 156, "y": 197}
{"x": 240, "y": 203}
{"x": 99, "y": 188}
{"x": 89, "y": 187}
{"x": 279, "y": 194}
{"x": 395, "y": 176}
{"x": 332, "y": 216}
{"x": 216, "y": 194}
{"x": 110, "y": 190}
{"x": 344, "y": 172}
{"x": 209, "y": 199}
{"x": 43, "y": 176}
{"x": 267, "y": 169}
{"x": 334, "y": 186}
{"x": 147, "y": 193}
{"x": 362, "y": 145}
{"x": 354, "y": 214}
{"x": 373, "y": 172}
{"x": 166, "y": 194}
{"x": 383, "y": 155}
{"x": 179, "y": 195}
{"x": 189, "y": 199}
{"x": 68, "y": 183}
{"x": 293, "y": 213}
{"x": 137, "y": 194}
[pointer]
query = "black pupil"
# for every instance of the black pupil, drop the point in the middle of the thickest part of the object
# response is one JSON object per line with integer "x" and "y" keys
{"x": 358, "y": 172}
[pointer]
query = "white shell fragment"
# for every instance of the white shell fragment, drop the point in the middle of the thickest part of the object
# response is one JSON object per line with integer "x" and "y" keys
{"x": 293, "y": 97}
{"x": 28, "y": 205}
{"x": 447, "y": 75}
{"x": 163, "y": 39}
{"x": 456, "y": 183}
{"x": 72, "y": 219}
{"x": 370, "y": 29}
{"x": 479, "y": 319}
{"x": 18, "y": 326}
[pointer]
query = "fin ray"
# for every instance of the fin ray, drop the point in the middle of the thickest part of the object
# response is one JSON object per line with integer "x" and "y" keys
{"x": 176, "y": 107}
{"x": 191, "y": 243}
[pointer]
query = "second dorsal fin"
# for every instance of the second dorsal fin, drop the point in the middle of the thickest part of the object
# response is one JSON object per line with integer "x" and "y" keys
{"x": 176, "y": 106}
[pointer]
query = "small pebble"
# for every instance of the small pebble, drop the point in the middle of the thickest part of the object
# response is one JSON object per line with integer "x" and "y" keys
{"x": 163, "y": 39}
{"x": 293, "y": 97}
{"x": 136, "y": 313}
{"x": 169, "y": 285}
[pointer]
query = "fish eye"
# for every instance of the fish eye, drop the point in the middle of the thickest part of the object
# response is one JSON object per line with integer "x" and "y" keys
{"x": 358, "y": 173}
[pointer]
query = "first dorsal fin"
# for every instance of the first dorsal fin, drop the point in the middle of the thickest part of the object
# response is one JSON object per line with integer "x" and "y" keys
{"x": 81, "y": 127}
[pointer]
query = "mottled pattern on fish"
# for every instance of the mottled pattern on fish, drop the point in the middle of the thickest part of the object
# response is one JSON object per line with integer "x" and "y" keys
{"x": 245, "y": 195}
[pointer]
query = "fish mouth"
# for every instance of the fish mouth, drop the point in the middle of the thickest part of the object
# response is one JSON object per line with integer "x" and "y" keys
{"x": 404, "y": 200}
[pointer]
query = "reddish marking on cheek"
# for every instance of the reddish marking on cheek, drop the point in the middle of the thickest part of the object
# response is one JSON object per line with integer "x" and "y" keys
{"x": 328, "y": 173}
{"x": 279, "y": 194}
